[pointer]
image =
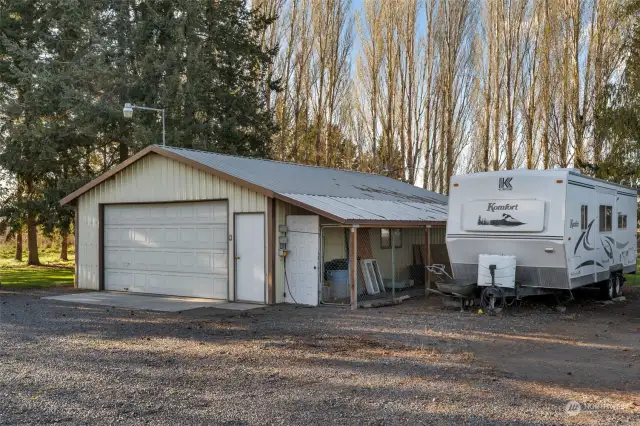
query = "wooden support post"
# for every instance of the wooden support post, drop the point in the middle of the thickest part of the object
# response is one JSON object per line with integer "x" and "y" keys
{"x": 353, "y": 267}
{"x": 272, "y": 247}
{"x": 76, "y": 236}
{"x": 427, "y": 260}
{"x": 101, "y": 247}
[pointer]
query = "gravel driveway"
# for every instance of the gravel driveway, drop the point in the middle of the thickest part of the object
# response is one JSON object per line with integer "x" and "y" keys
{"x": 409, "y": 364}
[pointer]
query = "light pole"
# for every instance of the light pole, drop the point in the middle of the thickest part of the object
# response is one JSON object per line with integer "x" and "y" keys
{"x": 127, "y": 111}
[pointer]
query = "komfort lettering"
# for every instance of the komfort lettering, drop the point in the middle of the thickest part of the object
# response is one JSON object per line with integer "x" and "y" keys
{"x": 492, "y": 207}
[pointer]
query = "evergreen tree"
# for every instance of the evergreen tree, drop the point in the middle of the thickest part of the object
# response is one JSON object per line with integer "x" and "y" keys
{"x": 618, "y": 115}
{"x": 67, "y": 68}
{"x": 200, "y": 60}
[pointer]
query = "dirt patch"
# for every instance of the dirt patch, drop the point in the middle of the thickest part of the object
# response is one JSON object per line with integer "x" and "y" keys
{"x": 367, "y": 347}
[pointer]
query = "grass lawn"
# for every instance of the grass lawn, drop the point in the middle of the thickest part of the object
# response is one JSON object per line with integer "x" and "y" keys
{"x": 630, "y": 277}
{"x": 52, "y": 273}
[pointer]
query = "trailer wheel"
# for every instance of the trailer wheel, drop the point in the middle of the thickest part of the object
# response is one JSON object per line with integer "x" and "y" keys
{"x": 607, "y": 288}
{"x": 617, "y": 287}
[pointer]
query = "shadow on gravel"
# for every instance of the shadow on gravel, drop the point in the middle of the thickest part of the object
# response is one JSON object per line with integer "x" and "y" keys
{"x": 408, "y": 364}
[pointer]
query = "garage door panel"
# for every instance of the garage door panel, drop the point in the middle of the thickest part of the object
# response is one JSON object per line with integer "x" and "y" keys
{"x": 188, "y": 213}
{"x": 170, "y": 235}
{"x": 210, "y": 261}
{"x": 212, "y": 237}
{"x": 113, "y": 237}
{"x": 111, "y": 258}
{"x": 141, "y": 214}
{"x": 118, "y": 280}
{"x": 175, "y": 248}
{"x": 169, "y": 284}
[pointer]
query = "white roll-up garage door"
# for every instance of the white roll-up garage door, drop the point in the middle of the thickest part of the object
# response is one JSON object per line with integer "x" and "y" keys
{"x": 178, "y": 249}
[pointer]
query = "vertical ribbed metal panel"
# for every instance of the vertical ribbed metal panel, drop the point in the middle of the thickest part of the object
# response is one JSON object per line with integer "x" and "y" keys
{"x": 438, "y": 235}
{"x": 157, "y": 179}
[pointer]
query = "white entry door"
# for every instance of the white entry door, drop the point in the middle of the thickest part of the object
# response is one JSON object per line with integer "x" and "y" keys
{"x": 250, "y": 261}
{"x": 177, "y": 249}
{"x": 303, "y": 244}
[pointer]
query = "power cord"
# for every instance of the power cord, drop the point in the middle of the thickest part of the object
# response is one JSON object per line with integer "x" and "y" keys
{"x": 286, "y": 281}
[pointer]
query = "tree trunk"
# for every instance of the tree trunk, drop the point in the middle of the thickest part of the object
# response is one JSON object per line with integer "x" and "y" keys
{"x": 64, "y": 247}
{"x": 32, "y": 240}
{"x": 123, "y": 151}
{"x": 19, "y": 246}
{"x": 564, "y": 142}
{"x": 497, "y": 86}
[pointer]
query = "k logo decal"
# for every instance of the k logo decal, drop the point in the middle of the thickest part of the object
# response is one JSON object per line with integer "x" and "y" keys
{"x": 505, "y": 184}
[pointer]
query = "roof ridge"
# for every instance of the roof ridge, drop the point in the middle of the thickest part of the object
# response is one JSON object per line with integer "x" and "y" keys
{"x": 277, "y": 161}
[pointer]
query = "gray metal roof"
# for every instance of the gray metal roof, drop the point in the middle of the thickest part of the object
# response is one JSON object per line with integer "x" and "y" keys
{"x": 349, "y": 195}
{"x": 358, "y": 209}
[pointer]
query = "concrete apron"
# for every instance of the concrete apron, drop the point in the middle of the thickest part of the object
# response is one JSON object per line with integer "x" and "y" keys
{"x": 150, "y": 302}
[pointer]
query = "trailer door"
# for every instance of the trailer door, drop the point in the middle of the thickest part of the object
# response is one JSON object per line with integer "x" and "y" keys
{"x": 605, "y": 242}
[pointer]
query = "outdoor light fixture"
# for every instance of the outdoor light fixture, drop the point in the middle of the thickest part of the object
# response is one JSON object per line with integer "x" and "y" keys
{"x": 127, "y": 111}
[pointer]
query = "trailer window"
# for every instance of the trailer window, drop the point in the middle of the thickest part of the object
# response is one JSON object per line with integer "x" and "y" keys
{"x": 584, "y": 217}
{"x": 385, "y": 238}
{"x": 606, "y": 220}
{"x": 622, "y": 221}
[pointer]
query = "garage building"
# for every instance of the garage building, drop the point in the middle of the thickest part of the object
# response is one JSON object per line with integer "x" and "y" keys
{"x": 182, "y": 222}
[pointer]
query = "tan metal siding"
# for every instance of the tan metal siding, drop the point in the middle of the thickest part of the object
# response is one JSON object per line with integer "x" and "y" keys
{"x": 155, "y": 178}
{"x": 438, "y": 235}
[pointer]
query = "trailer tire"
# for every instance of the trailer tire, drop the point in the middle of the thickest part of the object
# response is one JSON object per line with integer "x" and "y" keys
{"x": 617, "y": 287}
{"x": 607, "y": 288}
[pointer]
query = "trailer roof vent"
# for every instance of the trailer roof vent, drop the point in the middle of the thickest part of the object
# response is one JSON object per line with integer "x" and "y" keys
{"x": 568, "y": 169}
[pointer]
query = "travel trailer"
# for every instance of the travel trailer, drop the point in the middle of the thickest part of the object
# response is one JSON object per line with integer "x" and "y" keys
{"x": 536, "y": 231}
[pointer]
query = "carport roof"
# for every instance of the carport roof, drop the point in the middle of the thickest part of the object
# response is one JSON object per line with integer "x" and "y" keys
{"x": 346, "y": 196}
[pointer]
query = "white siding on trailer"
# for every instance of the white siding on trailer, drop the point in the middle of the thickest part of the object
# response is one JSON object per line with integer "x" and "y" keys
{"x": 527, "y": 185}
{"x": 155, "y": 178}
{"x": 580, "y": 243}
{"x": 627, "y": 205}
{"x": 593, "y": 251}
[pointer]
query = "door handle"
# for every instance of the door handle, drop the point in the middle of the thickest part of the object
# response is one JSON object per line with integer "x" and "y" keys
{"x": 237, "y": 257}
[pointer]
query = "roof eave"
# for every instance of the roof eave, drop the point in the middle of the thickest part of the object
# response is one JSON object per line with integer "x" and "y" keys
{"x": 398, "y": 223}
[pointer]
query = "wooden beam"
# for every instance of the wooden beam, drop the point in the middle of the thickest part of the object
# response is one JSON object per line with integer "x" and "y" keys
{"x": 76, "y": 240}
{"x": 353, "y": 266}
{"x": 427, "y": 237}
{"x": 271, "y": 248}
{"x": 101, "y": 247}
